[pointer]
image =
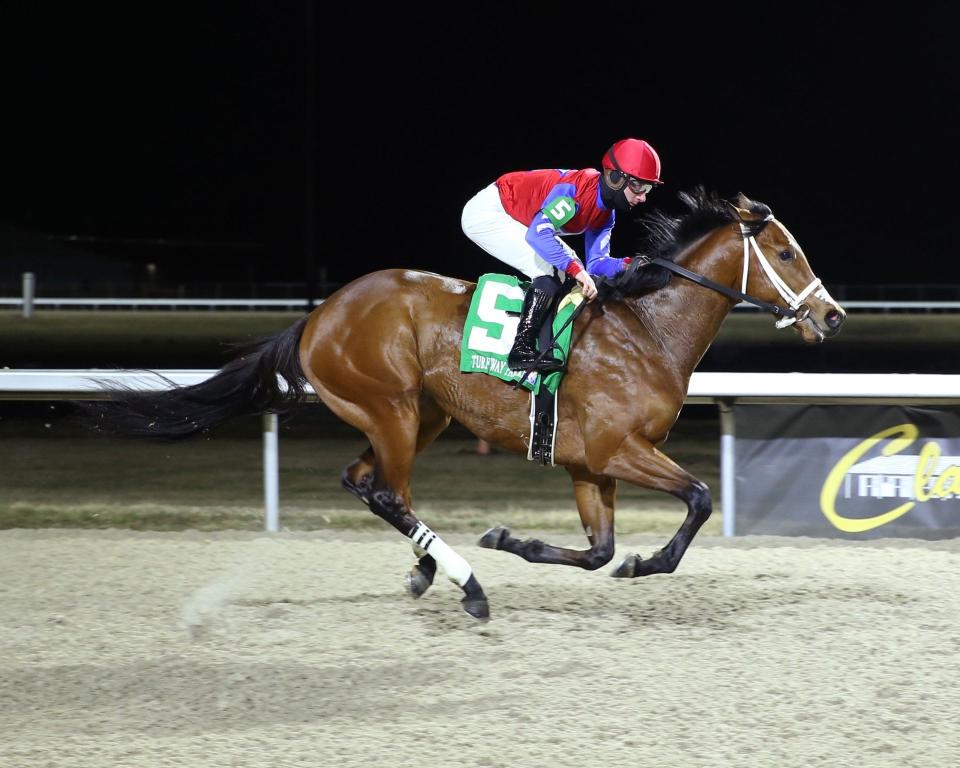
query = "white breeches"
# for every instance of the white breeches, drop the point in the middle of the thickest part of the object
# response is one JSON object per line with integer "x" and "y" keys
{"x": 486, "y": 223}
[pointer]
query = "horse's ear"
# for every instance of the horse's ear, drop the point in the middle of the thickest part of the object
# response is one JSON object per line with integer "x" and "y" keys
{"x": 742, "y": 208}
{"x": 738, "y": 211}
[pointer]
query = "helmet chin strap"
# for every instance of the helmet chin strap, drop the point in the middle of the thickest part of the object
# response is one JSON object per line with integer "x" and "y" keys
{"x": 794, "y": 300}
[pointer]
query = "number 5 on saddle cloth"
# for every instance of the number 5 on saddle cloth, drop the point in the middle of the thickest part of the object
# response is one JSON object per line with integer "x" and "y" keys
{"x": 488, "y": 336}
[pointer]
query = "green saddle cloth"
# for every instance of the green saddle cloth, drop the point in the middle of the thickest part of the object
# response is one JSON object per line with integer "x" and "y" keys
{"x": 491, "y": 326}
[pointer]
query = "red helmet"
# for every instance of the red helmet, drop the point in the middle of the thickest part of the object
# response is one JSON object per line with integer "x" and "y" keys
{"x": 634, "y": 157}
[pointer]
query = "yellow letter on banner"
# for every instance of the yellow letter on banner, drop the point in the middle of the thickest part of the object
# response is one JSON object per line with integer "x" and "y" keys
{"x": 926, "y": 469}
{"x": 905, "y": 434}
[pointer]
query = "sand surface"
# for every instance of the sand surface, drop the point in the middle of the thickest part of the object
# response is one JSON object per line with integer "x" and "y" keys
{"x": 302, "y": 649}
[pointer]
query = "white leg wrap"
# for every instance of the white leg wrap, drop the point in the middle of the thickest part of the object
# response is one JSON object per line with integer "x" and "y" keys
{"x": 457, "y": 569}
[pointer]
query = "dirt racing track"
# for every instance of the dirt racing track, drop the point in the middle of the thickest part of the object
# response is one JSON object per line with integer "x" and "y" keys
{"x": 194, "y": 649}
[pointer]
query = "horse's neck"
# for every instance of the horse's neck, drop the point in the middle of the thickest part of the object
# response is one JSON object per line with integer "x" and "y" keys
{"x": 685, "y": 316}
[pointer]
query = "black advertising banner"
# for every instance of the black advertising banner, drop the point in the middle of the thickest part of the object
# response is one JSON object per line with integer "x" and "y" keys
{"x": 846, "y": 471}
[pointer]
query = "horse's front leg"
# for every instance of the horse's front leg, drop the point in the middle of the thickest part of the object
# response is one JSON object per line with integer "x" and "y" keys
{"x": 595, "y": 498}
{"x": 637, "y": 461}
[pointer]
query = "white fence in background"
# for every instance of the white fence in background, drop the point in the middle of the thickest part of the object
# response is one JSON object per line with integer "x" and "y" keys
{"x": 722, "y": 389}
{"x": 73, "y": 303}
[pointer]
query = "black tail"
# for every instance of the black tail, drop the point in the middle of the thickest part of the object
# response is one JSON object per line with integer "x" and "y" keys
{"x": 245, "y": 385}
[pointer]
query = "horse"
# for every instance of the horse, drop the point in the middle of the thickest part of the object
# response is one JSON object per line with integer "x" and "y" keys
{"x": 382, "y": 353}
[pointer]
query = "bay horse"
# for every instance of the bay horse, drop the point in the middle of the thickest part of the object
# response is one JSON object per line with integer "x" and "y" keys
{"x": 383, "y": 354}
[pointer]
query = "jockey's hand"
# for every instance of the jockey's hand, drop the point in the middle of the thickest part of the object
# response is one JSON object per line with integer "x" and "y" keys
{"x": 587, "y": 286}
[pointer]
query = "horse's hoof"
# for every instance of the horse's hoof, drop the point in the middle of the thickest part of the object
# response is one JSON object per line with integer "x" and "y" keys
{"x": 628, "y": 567}
{"x": 417, "y": 582}
{"x": 476, "y": 607}
{"x": 474, "y": 602}
{"x": 634, "y": 566}
{"x": 493, "y": 538}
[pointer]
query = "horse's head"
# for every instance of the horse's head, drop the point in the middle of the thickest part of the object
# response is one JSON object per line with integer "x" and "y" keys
{"x": 770, "y": 269}
{"x": 775, "y": 269}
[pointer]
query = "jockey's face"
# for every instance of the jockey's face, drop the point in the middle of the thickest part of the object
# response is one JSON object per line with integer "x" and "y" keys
{"x": 633, "y": 198}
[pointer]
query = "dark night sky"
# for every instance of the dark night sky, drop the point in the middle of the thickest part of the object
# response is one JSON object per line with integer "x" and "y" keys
{"x": 187, "y": 122}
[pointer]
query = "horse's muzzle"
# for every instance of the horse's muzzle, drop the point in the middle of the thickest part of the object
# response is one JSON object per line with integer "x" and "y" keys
{"x": 834, "y": 319}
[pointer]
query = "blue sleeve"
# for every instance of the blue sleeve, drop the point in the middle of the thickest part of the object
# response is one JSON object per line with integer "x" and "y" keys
{"x": 597, "y": 242}
{"x": 542, "y": 237}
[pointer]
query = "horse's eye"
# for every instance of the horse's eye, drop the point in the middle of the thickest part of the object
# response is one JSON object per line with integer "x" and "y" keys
{"x": 786, "y": 255}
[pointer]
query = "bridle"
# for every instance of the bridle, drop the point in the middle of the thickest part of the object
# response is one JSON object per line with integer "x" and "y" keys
{"x": 794, "y": 300}
{"x": 794, "y": 312}
{"x": 795, "y": 309}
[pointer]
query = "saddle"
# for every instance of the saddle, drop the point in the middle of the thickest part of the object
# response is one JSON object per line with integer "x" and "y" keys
{"x": 488, "y": 335}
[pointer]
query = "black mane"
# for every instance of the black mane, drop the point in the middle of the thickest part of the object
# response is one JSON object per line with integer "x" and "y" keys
{"x": 667, "y": 235}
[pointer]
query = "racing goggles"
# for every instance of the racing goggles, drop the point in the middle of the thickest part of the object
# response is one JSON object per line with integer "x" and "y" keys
{"x": 638, "y": 186}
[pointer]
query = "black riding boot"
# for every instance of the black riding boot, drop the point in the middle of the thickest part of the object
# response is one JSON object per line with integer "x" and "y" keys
{"x": 536, "y": 307}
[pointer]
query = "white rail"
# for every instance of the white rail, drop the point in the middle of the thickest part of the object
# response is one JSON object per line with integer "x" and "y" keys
{"x": 724, "y": 389}
{"x": 705, "y": 386}
{"x": 159, "y": 303}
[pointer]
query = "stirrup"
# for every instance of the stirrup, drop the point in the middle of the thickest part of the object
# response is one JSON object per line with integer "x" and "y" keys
{"x": 548, "y": 365}
{"x": 530, "y": 360}
{"x": 544, "y": 365}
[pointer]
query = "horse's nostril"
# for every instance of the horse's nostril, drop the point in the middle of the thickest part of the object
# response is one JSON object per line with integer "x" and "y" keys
{"x": 834, "y": 318}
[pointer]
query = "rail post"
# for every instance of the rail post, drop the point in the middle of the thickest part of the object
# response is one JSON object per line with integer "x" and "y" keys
{"x": 728, "y": 470}
{"x": 271, "y": 473}
{"x": 29, "y": 287}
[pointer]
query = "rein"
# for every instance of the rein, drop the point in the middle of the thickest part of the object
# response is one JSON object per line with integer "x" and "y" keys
{"x": 788, "y": 315}
{"x": 729, "y": 292}
{"x": 796, "y": 311}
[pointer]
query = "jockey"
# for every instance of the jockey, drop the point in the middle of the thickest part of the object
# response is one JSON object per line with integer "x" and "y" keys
{"x": 521, "y": 217}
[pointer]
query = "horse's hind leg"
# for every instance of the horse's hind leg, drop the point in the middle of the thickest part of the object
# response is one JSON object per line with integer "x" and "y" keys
{"x": 433, "y": 421}
{"x": 394, "y": 450}
{"x": 381, "y": 478}
{"x": 595, "y": 498}
{"x": 358, "y": 477}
